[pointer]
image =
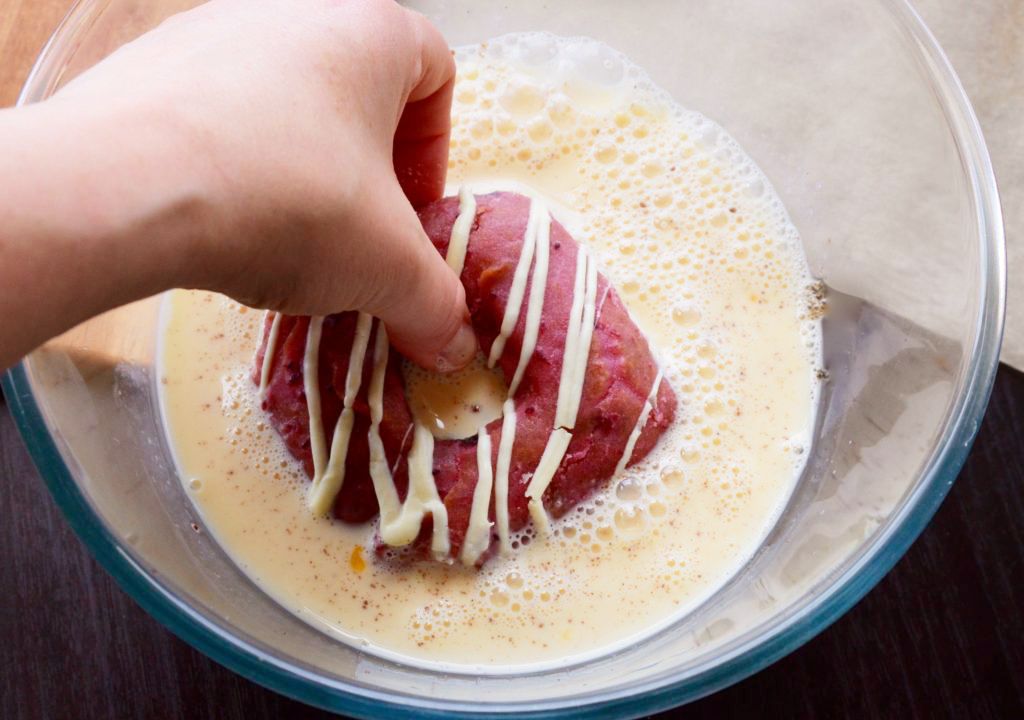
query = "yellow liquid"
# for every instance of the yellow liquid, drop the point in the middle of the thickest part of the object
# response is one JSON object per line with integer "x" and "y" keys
{"x": 456, "y": 405}
{"x": 702, "y": 253}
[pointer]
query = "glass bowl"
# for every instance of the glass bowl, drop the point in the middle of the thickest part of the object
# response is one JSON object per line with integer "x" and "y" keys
{"x": 854, "y": 113}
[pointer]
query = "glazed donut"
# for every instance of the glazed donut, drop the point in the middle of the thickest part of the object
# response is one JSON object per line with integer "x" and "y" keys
{"x": 586, "y": 395}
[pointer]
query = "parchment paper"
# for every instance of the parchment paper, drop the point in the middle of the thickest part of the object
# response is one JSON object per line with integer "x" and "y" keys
{"x": 985, "y": 43}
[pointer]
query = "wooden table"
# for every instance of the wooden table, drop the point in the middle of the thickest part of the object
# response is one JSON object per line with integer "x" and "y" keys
{"x": 941, "y": 636}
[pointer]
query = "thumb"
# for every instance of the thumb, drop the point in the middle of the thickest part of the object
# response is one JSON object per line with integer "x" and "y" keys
{"x": 421, "y": 301}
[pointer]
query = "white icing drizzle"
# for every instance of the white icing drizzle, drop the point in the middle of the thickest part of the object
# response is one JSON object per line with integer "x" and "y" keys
{"x": 540, "y": 223}
{"x": 380, "y": 473}
{"x": 586, "y": 336}
{"x": 326, "y": 488}
{"x": 268, "y": 353}
{"x": 562, "y": 417}
{"x": 516, "y": 291}
{"x": 311, "y": 384}
{"x": 501, "y": 467}
{"x": 578, "y": 337}
{"x": 400, "y": 522}
{"x": 458, "y": 242}
{"x": 478, "y": 534}
{"x": 536, "y": 242}
{"x": 554, "y": 451}
{"x": 640, "y": 423}
{"x": 423, "y": 497}
{"x": 577, "y": 341}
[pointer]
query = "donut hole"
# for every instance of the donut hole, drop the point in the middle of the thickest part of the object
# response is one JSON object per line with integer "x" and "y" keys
{"x": 455, "y": 405}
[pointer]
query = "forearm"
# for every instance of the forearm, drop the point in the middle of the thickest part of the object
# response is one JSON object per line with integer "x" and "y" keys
{"x": 98, "y": 207}
{"x": 251, "y": 148}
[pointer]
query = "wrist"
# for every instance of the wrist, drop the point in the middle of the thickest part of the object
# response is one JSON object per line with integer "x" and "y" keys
{"x": 100, "y": 208}
{"x": 134, "y": 203}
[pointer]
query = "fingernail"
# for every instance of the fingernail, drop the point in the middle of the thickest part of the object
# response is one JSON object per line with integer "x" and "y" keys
{"x": 459, "y": 351}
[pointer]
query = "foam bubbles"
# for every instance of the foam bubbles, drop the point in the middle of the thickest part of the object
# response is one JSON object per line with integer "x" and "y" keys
{"x": 702, "y": 252}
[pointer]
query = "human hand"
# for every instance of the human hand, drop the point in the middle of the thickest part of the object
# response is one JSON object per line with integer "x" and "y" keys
{"x": 297, "y": 133}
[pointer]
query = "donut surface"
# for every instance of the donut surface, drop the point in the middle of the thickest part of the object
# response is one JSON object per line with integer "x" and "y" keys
{"x": 622, "y": 404}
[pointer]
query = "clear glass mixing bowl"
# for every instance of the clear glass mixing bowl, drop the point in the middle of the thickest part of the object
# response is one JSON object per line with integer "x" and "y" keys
{"x": 853, "y": 112}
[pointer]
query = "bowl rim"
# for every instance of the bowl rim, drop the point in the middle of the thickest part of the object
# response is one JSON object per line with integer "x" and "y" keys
{"x": 961, "y": 425}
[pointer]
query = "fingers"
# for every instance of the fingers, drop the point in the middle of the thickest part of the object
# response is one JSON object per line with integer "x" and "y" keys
{"x": 426, "y": 315}
{"x": 419, "y": 298}
{"x": 437, "y": 64}
{"x": 420, "y": 152}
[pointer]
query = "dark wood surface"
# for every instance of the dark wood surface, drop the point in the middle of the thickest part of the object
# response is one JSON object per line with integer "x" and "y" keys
{"x": 941, "y": 636}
